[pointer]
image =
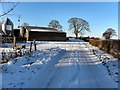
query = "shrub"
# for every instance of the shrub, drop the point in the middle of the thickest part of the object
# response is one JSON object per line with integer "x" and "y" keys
{"x": 109, "y": 46}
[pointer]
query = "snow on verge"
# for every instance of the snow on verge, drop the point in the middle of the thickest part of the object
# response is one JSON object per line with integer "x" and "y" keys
{"x": 20, "y": 71}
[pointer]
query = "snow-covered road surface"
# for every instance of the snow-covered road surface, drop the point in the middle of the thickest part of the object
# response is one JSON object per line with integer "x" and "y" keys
{"x": 59, "y": 65}
{"x": 75, "y": 68}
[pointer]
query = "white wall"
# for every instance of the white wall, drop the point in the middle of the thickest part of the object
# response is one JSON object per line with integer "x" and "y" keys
{"x": 3, "y": 28}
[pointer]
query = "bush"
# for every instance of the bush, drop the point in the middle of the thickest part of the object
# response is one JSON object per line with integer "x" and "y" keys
{"x": 109, "y": 46}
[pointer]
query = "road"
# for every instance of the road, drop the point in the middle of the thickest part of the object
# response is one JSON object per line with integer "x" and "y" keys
{"x": 77, "y": 67}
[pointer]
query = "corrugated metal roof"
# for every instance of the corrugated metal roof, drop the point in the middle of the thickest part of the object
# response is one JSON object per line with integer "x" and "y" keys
{"x": 49, "y": 31}
{"x": 43, "y": 29}
{"x": 36, "y": 27}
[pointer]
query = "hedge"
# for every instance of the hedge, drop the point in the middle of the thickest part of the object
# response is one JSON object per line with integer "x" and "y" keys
{"x": 110, "y": 46}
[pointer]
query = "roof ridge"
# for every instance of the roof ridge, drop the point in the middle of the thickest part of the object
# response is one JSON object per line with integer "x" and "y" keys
{"x": 35, "y": 27}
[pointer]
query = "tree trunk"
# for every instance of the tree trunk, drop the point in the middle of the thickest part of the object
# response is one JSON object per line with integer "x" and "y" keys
{"x": 76, "y": 34}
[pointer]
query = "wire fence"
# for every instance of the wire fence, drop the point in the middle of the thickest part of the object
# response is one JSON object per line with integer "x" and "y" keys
{"x": 8, "y": 54}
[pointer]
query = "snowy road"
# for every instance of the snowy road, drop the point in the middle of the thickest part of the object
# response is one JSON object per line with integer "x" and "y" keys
{"x": 61, "y": 65}
{"x": 77, "y": 67}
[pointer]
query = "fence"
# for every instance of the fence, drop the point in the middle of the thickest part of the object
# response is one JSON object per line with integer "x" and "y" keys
{"x": 10, "y": 39}
{"x": 9, "y": 54}
{"x": 18, "y": 51}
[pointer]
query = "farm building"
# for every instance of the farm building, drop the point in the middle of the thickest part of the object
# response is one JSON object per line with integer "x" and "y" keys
{"x": 42, "y": 34}
{"x": 8, "y": 30}
{"x": 0, "y": 28}
{"x": 7, "y": 27}
{"x": 32, "y": 32}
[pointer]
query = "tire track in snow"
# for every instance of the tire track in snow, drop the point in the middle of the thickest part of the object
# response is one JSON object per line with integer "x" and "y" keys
{"x": 74, "y": 69}
{"x": 88, "y": 68}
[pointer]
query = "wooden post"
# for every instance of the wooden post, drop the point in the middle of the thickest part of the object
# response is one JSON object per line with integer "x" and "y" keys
{"x": 35, "y": 45}
{"x": 31, "y": 46}
{"x": 14, "y": 42}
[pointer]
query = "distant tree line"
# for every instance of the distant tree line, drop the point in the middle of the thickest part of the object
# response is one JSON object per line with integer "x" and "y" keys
{"x": 77, "y": 25}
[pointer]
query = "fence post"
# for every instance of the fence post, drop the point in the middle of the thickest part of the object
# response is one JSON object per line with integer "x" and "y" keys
{"x": 14, "y": 42}
{"x": 35, "y": 45}
{"x": 31, "y": 46}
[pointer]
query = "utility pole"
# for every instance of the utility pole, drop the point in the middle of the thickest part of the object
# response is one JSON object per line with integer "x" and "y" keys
{"x": 19, "y": 19}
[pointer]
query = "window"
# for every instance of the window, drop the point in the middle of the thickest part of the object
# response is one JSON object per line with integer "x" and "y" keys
{"x": 8, "y": 27}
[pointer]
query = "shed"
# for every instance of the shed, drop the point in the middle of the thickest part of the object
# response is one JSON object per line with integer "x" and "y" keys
{"x": 43, "y": 34}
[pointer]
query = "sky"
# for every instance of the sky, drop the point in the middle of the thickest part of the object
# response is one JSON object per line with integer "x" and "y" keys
{"x": 61, "y": 0}
{"x": 100, "y": 15}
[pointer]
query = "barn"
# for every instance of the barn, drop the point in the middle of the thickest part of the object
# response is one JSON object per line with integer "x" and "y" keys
{"x": 42, "y": 34}
{"x": 32, "y": 32}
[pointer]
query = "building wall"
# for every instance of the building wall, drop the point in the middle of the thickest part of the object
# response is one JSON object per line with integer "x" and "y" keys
{"x": 16, "y": 32}
{"x": 46, "y": 36}
{"x": 7, "y": 27}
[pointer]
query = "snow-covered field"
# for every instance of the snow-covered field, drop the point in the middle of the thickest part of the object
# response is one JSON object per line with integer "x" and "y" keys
{"x": 71, "y": 64}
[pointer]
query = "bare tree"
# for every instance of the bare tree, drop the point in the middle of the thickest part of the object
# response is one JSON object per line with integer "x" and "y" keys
{"x": 78, "y": 26}
{"x": 109, "y": 33}
{"x": 55, "y": 24}
{"x": 8, "y": 9}
{"x": 25, "y": 24}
